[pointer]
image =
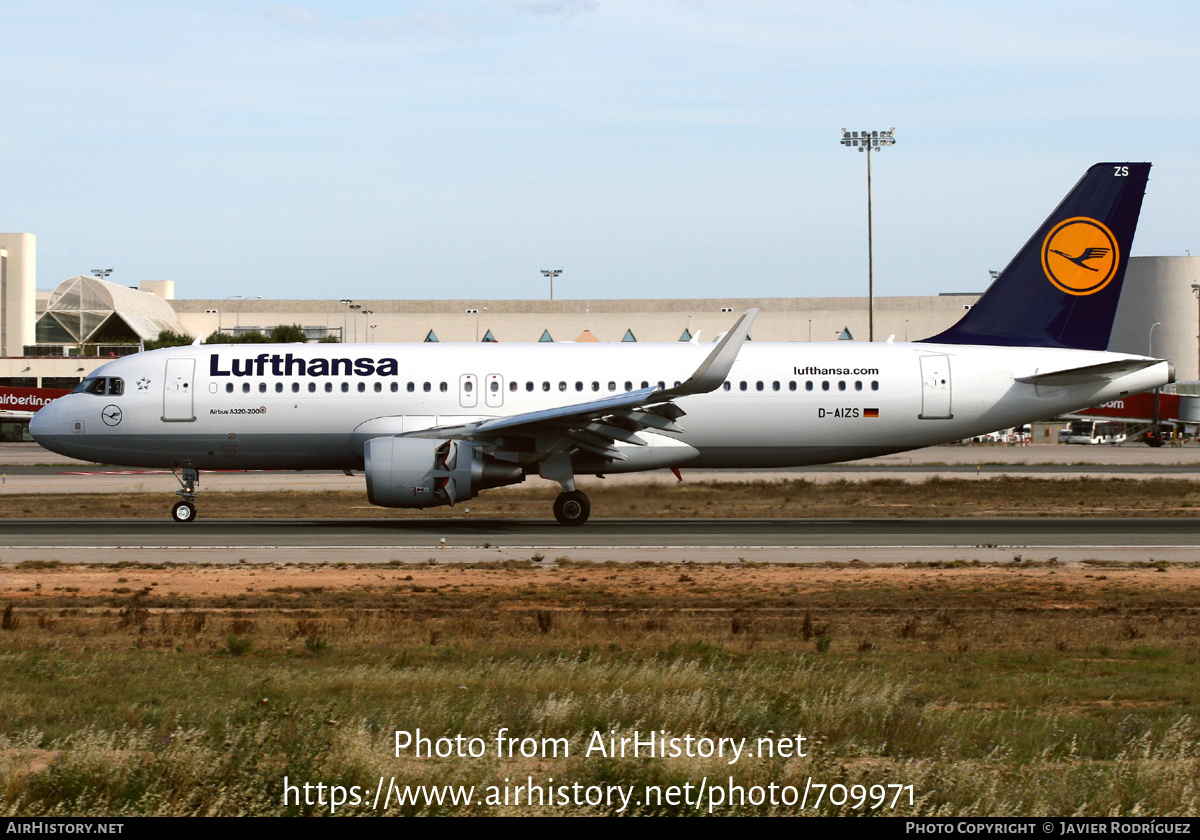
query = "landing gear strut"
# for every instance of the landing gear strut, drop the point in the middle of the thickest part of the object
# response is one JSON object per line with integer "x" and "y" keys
{"x": 572, "y": 508}
{"x": 185, "y": 511}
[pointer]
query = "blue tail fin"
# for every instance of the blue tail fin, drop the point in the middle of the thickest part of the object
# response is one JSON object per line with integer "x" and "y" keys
{"x": 1062, "y": 288}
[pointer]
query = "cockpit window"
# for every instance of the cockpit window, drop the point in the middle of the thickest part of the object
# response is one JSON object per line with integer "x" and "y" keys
{"x": 113, "y": 386}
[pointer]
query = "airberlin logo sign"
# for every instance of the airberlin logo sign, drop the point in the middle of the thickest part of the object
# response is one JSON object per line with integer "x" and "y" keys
{"x": 1080, "y": 256}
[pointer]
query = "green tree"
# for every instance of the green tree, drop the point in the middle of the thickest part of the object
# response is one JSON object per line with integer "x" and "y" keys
{"x": 169, "y": 338}
{"x": 255, "y": 337}
{"x": 285, "y": 334}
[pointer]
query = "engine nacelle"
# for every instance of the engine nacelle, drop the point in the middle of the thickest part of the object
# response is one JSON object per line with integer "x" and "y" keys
{"x": 407, "y": 472}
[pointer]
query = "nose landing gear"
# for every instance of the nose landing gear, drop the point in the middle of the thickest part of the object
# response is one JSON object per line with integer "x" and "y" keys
{"x": 185, "y": 511}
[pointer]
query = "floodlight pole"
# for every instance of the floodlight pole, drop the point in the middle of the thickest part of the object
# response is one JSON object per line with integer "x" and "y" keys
{"x": 551, "y": 273}
{"x": 868, "y": 141}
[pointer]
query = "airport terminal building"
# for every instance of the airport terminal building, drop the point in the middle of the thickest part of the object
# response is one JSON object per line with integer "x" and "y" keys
{"x": 51, "y": 340}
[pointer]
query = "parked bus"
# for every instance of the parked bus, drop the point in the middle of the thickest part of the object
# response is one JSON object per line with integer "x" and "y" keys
{"x": 1095, "y": 432}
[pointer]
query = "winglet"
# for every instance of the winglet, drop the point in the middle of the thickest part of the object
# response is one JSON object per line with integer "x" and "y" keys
{"x": 714, "y": 370}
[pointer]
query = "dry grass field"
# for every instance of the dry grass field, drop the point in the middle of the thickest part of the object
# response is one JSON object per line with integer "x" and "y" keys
{"x": 1012, "y": 689}
{"x": 1001, "y": 496}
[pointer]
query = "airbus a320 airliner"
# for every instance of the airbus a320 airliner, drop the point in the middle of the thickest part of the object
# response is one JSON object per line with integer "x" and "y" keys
{"x": 435, "y": 424}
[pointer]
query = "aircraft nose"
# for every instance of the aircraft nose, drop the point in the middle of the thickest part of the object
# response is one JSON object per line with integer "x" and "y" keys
{"x": 49, "y": 425}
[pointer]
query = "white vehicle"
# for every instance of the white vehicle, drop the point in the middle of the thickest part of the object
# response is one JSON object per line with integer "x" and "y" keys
{"x": 435, "y": 424}
{"x": 1095, "y": 432}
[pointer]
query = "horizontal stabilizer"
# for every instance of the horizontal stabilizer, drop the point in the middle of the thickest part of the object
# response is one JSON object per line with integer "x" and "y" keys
{"x": 1089, "y": 373}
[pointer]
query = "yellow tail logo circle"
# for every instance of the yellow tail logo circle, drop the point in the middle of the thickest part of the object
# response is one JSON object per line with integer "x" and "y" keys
{"x": 1080, "y": 256}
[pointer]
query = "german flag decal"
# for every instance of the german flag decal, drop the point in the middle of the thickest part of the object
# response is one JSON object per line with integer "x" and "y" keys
{"x": 870, "y": 412}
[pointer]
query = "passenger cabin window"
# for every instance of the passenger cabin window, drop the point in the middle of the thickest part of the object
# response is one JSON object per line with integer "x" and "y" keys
{"x": 278, "y": 387}
{"x": 228, "y": 387}
{"x": 312, "y": 387}
{"x": 245, "y": 387}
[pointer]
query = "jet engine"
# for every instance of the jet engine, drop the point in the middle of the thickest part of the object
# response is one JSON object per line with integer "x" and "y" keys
{"x": 407, "y": 472}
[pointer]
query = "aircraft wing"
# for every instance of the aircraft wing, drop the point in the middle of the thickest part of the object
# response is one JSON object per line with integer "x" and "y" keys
{"x": 1088, "y": 373}
{"x": 595, "y": 426}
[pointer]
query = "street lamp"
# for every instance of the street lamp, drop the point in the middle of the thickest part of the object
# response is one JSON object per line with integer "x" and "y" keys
{"x": 367, "y": 313}
{"x": 346, "y": 303}
{"x": 354, "y": 307}
{"x": 551, "y": 273}
{"x": 231, "y": 297}
{"x": 869, "y": 141}
{"x": 102, "y": 273}
{"x": 1150, "y": 349}
{"x": 238, "y": 323}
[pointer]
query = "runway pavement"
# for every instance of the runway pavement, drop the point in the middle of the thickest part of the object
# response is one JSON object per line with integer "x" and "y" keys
{"x": 627, "y": 540}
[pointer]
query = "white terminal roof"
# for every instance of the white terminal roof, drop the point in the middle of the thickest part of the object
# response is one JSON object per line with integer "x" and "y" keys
{"x": 92, "y": 310}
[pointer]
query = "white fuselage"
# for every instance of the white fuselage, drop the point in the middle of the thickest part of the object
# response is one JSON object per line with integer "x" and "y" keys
{"x": 313, "y": 406}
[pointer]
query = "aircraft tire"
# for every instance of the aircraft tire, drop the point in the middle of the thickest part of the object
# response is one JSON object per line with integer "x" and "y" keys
{"x": 572, "y": 508}
{"x": 183, "y": 512}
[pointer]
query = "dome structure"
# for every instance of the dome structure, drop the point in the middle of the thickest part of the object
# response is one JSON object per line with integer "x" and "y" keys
{"x": 88, "y": 310}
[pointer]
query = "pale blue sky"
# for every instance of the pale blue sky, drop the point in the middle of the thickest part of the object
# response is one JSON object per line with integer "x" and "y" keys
{"x": 649, "y": 148}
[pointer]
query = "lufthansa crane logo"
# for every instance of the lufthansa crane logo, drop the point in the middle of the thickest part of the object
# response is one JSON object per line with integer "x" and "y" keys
{"x": 1080, "y": 256}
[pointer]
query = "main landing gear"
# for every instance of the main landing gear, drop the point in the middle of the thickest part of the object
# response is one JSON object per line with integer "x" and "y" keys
{"x": 572, "y": 508}
{"x": 185, "y": 511}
